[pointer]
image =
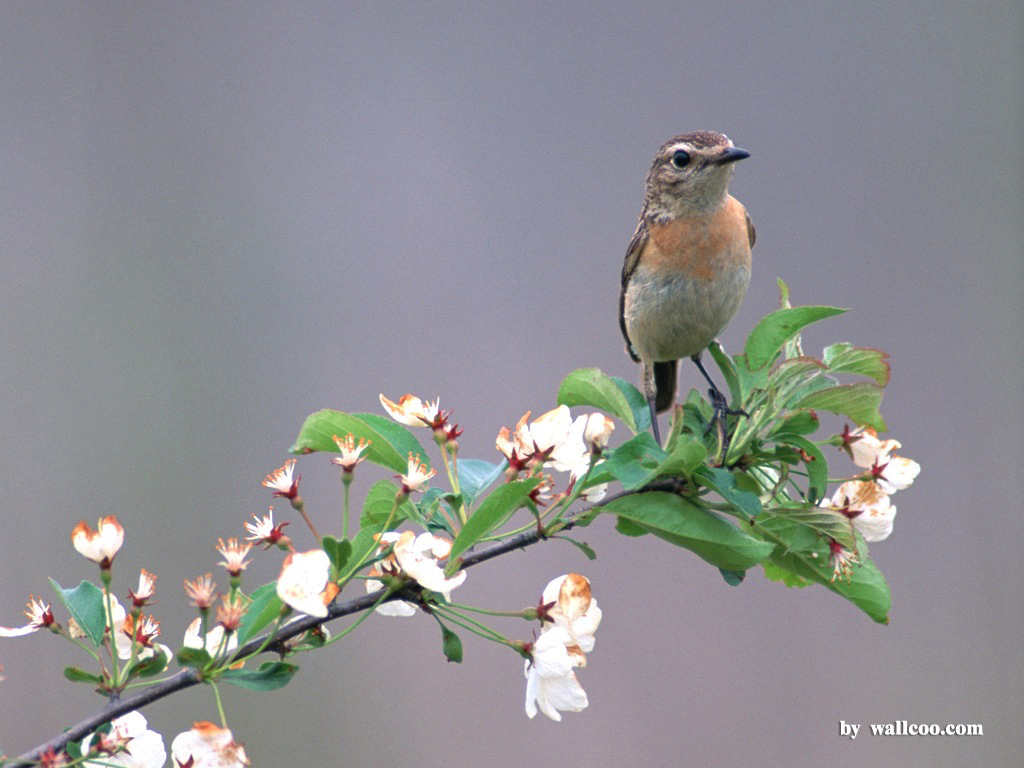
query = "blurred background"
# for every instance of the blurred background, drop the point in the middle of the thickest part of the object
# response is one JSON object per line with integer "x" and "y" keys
{"x": 216, "y": 219}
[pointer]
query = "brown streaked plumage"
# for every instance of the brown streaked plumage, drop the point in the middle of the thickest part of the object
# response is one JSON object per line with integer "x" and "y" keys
{"x": 688, "y": 265}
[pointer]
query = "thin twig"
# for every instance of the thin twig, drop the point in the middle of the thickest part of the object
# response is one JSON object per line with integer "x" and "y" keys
{"x": 187, "y": 678}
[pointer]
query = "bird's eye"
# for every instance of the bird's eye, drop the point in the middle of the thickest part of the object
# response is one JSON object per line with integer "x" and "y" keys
{"x": 680, "y": 158}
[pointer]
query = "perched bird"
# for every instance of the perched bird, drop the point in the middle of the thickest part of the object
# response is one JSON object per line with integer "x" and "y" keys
{"x": 687, "y": 267}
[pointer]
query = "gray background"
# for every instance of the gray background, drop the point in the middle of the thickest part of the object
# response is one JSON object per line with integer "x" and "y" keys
{"x": 216, "y": 219}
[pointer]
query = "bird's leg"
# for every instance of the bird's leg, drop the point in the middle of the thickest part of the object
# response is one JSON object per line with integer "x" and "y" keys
{"x": 651, "y": 393}
{"x": 720, "y": 411}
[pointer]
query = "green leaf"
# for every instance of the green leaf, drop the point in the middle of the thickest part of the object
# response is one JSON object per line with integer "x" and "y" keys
{"x": 269, "y": 677}
{"x": 633, "y": 461}
{"x": 775, "y": 572}
{"x": 732, "y": 578}
{"x": 492, "y": 512}
{"x": 684, "y": 524}
{"x": 390, "y": 442}
{"x": 76, "y": 675}
{"x": 364, "y": 548}
{"x": 615, "y": 396}
{"x": 797, "y": 423}
{"x": 581, "y": 546}
{"x": 846, "y": 358}
{"x": 776, "y": 328}
{"x": 451, "y": 645}
{"x": 197, "y": 658}
{"x": 687, "y": 454}
{"x": 866, "y": 587}
{"x": 429, "y": 509}
{"x": 815, "y": 463}
{"x": 783, "y": 293}
{"x": 150, "y": 667}
{"x": 265, "y": 608}
{"x": 338, "y": 550}
{"x": 858, "y": 401}
{"x": 723, "y": 482}
{"x": 729, "y": 373}
{"x": 629, "y": 528}
{"x": 85, "y": 604}
{"x": 823, "y": 522}
{"x": 794, "y": 371}
{"x": 475, "y": 476}
{"x": 379, "y": 503}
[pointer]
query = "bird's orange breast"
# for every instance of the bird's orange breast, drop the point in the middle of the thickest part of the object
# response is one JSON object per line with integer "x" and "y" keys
{"x": 701, "y": 246}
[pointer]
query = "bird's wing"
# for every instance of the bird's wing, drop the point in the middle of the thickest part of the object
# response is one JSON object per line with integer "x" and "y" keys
{"x": 636, "y": 247}
{"x": 751, "y": 232}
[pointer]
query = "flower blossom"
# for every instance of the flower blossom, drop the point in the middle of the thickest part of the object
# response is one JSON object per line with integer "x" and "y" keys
{"x": 231, "y": 611}
{"x": 892, "y": 473}
{"x": 866, "y": 505}
{"x": 146, "y": 589}
{"x": 551, "y": 685}
{"x": 567, "y": 603}
{"x": 841, "y": 559}
{"x": 207, "y": 746}
{"x": 263, "y": 531}
{"x": 212, "y": 642}
{"x": 234, "y": 553}
{"x": 128, "y": 744}
{"x": 201, "y": 591}
{"x": 415, "y": 557}
{"x": 597, "y": 431}
{"x": 416, "y": 475}
{"x": 413, "y": 412}
{"x": 283, "y": 481}
{"x": 303, "y": 583}
{"x": 143, "y": 633}
{"x": 100, "y": 545}
{"x": 558, "y": 441}
{"x": 351, "y": 453}
{"x": 39, "y": 617}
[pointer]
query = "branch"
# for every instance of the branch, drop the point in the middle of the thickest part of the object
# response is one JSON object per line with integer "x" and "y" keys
{"x": 190, "y": 677}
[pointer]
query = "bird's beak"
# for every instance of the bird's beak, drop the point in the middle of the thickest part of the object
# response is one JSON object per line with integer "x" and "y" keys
{"x": 731, "y": 155}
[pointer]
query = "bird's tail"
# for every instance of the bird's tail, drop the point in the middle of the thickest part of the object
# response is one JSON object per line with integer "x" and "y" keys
{"x": 665, "y": 385}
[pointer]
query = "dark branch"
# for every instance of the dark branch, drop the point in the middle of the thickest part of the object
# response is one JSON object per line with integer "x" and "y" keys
{"x": 189, "y": 677}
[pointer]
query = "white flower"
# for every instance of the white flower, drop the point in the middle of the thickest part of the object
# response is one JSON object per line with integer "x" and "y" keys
{"x": 201, "y": 591}
{"x": 418, "y": 556}
{"x": 415, "y": 557}
{"x": 303, "y": 583}
{"x": 100, "y": 545}
{"x": 234, "y": 553}
{"x": 283, "y": 482}
{"x": 573, "y": 609}
{"x": 867, "y": 506}
{"x": 893, "y": 473}
{"x": 416, "y": 475}
{"x": 144, "y": 632}
{"x": 841, "y": 559}
{"x": 39, "y": 616}
{"x": 864, "y": 446}
{"x": 412, "y": 411}
{"x": 146, "y": 589}
{"x": 391, "y": 607}
{"x": 389, "y": 566}
{"x": 129, "y": 744}
{"x": 551, "y": 684}
{"x": 594, "y": 493}
{"x": 597, "y": 432}
{"x": 351, "y": 452}
{"x": 214, "y": 639}
{"x": 207, "y": 746}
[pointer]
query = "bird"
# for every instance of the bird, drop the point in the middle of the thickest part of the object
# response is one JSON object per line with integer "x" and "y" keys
{"x": 687, "y": 267}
